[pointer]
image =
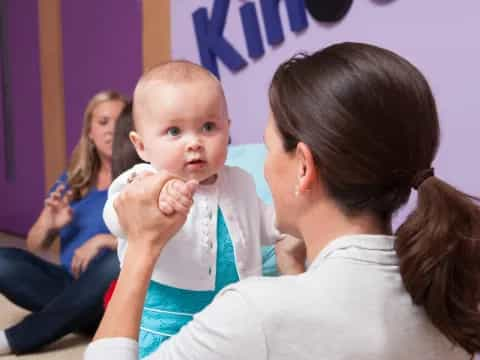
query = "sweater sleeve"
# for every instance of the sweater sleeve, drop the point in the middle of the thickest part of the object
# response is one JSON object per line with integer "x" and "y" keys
{"x": 109, "y": 214}
{"x": 227, "y": 329}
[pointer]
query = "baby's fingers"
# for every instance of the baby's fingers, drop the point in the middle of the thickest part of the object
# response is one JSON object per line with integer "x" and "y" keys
{"x": 187, "y": 189}
{"x": 178, "y": 191}
{"x": 182, "y": 206}
{"x": 67, "y": 197}
{"x": 165, "y": 208}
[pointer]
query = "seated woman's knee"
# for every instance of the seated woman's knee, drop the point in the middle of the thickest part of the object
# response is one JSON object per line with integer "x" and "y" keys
{"x": 106, "y": 264}
{"x": 9, "y": 259}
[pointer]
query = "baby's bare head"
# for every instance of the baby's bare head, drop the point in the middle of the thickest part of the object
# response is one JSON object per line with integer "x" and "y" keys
{"x": 155, "y": 83}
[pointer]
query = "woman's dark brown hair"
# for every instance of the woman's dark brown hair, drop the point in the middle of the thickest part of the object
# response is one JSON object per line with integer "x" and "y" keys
{"x": 370, "y": 119}
{"x": 124, "y": 155}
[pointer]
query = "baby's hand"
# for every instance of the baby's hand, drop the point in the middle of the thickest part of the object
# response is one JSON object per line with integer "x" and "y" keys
{"x": 177, "y": 195}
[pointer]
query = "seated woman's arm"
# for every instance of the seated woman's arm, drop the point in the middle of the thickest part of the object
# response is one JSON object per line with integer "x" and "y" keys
{"x": 106, "y": 241}
{"x": 41, "y": 235}
{"x": 84, "y": 254}
{"x": 55, "y": 214}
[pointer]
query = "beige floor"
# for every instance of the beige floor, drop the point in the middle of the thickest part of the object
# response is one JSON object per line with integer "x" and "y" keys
{"x": 70, "y": 347}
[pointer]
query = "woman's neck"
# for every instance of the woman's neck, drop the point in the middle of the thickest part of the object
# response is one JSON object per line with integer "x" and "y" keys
{"x": 318, "y": 233}
{"x": 104, "y": 177}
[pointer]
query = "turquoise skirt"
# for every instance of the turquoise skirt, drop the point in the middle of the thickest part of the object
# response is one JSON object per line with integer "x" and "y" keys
{"x": 167, "y": 309}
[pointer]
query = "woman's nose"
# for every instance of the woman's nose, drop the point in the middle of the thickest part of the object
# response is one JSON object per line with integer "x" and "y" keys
{"x": 110, "y": 127}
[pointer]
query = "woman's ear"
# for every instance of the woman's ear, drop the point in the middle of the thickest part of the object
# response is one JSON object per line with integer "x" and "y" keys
{"x": 137, "y": 142}
{"x": 306, "y": 169}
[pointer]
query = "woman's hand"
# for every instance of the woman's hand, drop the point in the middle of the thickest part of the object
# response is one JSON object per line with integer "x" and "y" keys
{"x": 147, "y": 228}
{"x": 291, "y": 255}
{"x": 85, "y": 253}
{"x": 55, "y": 214}
{"x": 58, "y": 212}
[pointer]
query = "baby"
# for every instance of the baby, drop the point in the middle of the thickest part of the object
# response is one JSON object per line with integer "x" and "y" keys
{"x": 182, "y": 126}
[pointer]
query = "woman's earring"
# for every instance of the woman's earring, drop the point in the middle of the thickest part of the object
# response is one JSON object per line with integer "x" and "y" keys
{"x": 297, "y": 192}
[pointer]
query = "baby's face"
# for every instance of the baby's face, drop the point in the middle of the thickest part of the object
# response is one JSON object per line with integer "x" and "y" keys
{"x": 184, "y": 129}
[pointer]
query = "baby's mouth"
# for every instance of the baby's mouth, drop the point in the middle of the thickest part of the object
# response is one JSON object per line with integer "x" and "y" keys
{"x": 196, "y": 164}
{"x": 195, "y": 161}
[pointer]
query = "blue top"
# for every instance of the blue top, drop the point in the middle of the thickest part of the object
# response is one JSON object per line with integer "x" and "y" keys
{"x": 87, "y": 222}
{"x": 167, "y": 309}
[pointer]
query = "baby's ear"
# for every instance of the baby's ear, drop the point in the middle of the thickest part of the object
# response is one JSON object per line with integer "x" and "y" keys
{"x": 137, "y": 142}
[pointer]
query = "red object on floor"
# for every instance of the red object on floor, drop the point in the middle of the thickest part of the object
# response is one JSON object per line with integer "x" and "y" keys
{"x": 109, "y": 293}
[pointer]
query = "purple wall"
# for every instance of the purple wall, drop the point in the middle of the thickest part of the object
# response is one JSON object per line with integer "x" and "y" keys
{"x": 437, "y": 36}
{"x": 2, "y": 150}
{"x": 102, "y": 49}
{"x": 22, "y": 199}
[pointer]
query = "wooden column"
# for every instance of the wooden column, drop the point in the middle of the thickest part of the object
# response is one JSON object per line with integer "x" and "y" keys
{"x": 51, "y": 72}
{"x": 156, "y": 39}
{"x": 53, "y": 103}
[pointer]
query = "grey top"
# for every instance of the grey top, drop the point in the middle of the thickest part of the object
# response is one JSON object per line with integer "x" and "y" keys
{"x": 350, "y": 304}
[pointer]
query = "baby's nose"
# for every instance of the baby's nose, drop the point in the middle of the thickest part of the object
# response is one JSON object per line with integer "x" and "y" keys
{"x": 194, "y": 145}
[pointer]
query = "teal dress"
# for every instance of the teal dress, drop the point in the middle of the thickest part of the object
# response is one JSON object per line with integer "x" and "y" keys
{"x": 167, "y": 309}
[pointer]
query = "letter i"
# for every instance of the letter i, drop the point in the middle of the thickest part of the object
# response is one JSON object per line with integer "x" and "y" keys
{"x": 251, "y": 30}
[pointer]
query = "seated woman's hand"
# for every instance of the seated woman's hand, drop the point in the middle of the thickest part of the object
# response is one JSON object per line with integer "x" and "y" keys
{"x": 85, "y": 253}
{"x": 58, "y": 212}
{"x": 147, "y": 227}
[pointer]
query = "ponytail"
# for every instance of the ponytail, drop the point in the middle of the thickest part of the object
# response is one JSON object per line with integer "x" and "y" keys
{"x": 439, "y": 251}
{"x": 370, "y": 120}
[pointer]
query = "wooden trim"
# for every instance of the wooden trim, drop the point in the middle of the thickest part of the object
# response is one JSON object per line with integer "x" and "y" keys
{"x": 156, "y": 40}
{"x": 53, "y": 103}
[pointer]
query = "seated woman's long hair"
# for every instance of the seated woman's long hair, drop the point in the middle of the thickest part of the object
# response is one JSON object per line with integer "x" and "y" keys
{"x": 84, "y": 165}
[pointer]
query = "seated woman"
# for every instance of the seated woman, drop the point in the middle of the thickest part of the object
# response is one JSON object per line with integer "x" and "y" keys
{"x": 68, "y": 297}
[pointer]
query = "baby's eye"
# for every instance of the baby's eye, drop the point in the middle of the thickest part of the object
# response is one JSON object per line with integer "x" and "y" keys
{"x": 209, "y": 126}
{"x": 173, "y": 131}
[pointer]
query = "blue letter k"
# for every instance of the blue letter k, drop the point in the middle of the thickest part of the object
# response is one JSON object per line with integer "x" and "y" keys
{"x": 210, "y": 40}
